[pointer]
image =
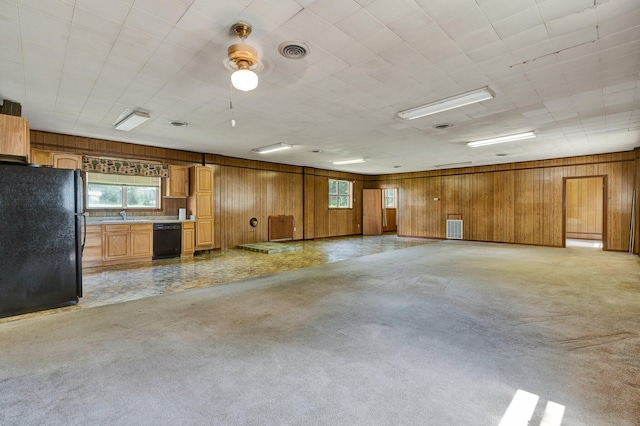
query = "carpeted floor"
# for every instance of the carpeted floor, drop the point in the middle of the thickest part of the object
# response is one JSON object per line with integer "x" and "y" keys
{"x": 438, "y": 334}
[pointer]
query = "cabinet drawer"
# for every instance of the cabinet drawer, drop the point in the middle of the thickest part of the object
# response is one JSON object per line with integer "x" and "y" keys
{"x": 142, "y": 227}
{"x": 116, "y": 228}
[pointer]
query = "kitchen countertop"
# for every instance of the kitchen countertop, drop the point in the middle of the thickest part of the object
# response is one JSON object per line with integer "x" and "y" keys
{"x": 96, "y": 220}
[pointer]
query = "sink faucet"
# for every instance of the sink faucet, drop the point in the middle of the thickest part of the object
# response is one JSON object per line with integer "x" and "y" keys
{"x": 123, "y": 214}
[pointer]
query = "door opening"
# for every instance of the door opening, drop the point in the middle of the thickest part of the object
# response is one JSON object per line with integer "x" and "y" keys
{"x": 585, "y": 212}
{"x": 390, "y": 210}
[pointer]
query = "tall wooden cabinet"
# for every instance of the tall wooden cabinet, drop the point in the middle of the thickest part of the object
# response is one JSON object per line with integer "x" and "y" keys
{"x": 201, "y": 205}
{"x": 14, "y": 136}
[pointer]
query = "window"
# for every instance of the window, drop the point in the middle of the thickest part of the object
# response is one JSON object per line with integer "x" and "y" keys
{"x": 389, "y": 201}
{"x": 112, "y": 191}
{"x": 340, "y": 194}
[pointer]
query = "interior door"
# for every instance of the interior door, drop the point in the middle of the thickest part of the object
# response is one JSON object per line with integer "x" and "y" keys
{"x": 372, "y": 212}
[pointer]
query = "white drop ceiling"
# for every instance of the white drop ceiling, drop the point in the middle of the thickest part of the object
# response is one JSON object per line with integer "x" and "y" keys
{"x": 567, "y": 69}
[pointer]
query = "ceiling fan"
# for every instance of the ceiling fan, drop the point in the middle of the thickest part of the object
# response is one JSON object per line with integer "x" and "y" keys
{"x": 244, "y": 57}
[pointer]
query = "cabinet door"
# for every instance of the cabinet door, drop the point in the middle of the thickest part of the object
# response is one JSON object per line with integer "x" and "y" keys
{"x": 187, "y": 238}
{"x": 44, "y": 158}
{"x": 14, "y": 135}
{"x": 116, "y": 245}
{"x": 204, "y": 205}
{"x": 178, "y": 181}
{"x": 142, "y": 240}
{"x": 203, "y": 179}
{"x": 67, "y": 161}
{"x": 204, "y": 234}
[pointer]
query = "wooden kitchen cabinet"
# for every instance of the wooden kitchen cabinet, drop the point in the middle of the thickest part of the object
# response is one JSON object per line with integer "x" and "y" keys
{"x": 116, "y": 240}
{"x": 43, "y": 158}
{"x": 177, "y": 184}
{"x": 188, "y": 241}
{"x": 142, "y": 240}
{"x": 14, "y": 136}
{"x": 67, "y": 161}
{"x": 201, "y": 205}
{"x": 124, "y": 243}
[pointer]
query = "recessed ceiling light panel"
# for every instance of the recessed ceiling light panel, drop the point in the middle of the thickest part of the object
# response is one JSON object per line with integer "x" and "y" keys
{"x": 446, "y": 104}
{"x": 272, "y": 148}
{"x": 502, "y": 139}
{"x": 131, "y": 121}
{"x": 354, "y": 161}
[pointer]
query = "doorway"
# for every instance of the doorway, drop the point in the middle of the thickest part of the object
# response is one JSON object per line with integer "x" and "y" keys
{"x": 585, "y": 212}
{"x": 379, "y": 211}
{"x": 390, "y": 210}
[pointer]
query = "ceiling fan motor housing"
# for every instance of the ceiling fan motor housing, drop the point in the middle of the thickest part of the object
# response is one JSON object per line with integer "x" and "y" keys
{"x": 243, "y": 55}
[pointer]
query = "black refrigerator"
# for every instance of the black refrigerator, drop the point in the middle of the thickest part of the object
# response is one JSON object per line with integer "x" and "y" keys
{"x": 40, "y": 240}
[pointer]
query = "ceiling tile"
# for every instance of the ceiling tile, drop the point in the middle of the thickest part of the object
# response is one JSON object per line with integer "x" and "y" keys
{"x": 551, "y": 9}
{"x": 388, "y": 12}
{"x": 477, "y": 39}
{"x": 142, "y": 21}
{"x": 168, "y": 10}
{"x": 497, "y": 10}
{"x": 114, "y": 10}
{"x": 526, "y": 38}
{"x": 464, "y": 24}
{"x": 334, "y": 11}
{"x": 360, "y": 24}
{"x": 572, "y": 23}
{"x": 444, "y": 10}
{"x": 518, "y": 23}
{"x": 278, "y": 12}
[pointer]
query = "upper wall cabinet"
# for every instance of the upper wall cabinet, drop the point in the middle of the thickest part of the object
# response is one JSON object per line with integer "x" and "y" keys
{"x": 14, "y": 135}
{"x": 177, "y": 185}
{"x": 43, "y": 158}
{"x": 67, "y": 161}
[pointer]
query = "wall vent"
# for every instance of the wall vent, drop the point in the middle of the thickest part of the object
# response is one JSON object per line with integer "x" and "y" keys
{"x": 454, "y": 229}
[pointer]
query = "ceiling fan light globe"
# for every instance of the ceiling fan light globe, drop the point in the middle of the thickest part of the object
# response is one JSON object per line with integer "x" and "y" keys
{"x": 244, "y": 80}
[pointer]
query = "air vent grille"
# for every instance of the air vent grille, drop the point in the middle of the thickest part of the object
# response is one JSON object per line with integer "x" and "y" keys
{"x": 293, "y": 49}
{"x": 454, "y": 229}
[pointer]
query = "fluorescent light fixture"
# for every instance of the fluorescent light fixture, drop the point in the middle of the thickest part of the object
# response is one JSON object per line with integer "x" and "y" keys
{"x": 272, "y": 148}
{"x": 460, "y": 164}
{"x": 356, "y": 161}
{"x": 502, "y": 139}
{"x": 131, "y": 121}
{"x": 457, "y": 101}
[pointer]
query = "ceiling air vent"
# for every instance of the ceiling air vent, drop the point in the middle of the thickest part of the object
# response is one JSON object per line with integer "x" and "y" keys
{"x": 293, "y": 49}
{"x": 442, "y": 126}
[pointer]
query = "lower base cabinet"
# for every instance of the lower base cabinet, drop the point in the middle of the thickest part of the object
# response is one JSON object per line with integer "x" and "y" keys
{"x": 121, "y": 243}
{"x": 188, "y": 238}
{"x": 127, "y": 242}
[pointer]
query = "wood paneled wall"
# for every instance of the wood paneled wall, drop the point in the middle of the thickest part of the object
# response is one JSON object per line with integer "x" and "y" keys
{"x": 246, "y": 193}
{"x": 320, "y": 220}
{"x": 515, "y": 203}
{"x": 242, "y": 189}
{"x": 512, "y": 203}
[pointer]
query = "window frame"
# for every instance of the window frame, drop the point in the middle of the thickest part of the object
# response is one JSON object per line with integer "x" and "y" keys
{"x": 338, "y": 194}
{"x": 124, "y": 187}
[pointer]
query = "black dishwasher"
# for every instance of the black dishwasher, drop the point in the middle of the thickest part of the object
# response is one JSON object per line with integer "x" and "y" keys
{"x": 167, "y": 240}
